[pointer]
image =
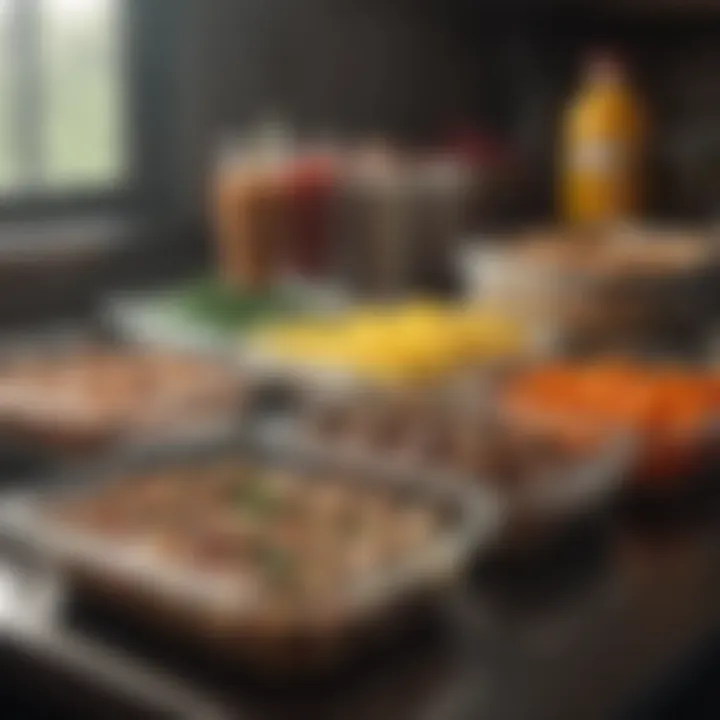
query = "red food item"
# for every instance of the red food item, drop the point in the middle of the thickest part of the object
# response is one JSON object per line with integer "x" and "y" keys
{"x": 311, "y": 184}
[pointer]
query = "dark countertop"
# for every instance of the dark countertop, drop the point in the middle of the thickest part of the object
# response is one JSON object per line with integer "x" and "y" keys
{"x": 593, "y": 626}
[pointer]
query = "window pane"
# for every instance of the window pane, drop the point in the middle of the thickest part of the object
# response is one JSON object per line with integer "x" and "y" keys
{"x": 7, "y": 169}
{"x": 83, "y": 114}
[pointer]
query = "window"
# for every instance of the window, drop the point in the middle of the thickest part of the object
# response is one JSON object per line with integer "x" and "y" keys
{"x": 63, "y": 114}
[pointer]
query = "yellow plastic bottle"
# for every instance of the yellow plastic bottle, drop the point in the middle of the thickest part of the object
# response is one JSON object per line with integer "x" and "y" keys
{"x": 602, "y": 148}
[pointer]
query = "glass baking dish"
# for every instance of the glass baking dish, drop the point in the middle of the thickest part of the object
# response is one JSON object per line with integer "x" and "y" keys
{"x": 64, "y": 394}
{"x": 227, "y": 610}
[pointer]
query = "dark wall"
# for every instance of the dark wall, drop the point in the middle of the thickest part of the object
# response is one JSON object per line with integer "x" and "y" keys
{"x": 357, "y": 66}
{"x": 413, "y": 68}
{"x": 408, "y": 69}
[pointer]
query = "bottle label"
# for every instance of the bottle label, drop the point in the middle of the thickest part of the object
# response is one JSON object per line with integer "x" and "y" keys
{"x": 600, "y": 157}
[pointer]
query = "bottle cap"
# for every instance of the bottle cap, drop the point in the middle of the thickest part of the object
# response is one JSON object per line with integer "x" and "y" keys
{"x": 605, "y": 63}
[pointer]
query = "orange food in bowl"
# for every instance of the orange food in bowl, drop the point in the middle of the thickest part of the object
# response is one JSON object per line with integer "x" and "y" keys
{"x": 671, "y": 409}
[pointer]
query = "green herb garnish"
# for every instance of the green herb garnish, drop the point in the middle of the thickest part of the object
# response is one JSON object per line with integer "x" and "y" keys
{"x": 222, "y": 307}
{"x": 255, "y": 497}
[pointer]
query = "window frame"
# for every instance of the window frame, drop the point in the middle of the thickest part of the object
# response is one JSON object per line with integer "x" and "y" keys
{"x": 147, "y": 30}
